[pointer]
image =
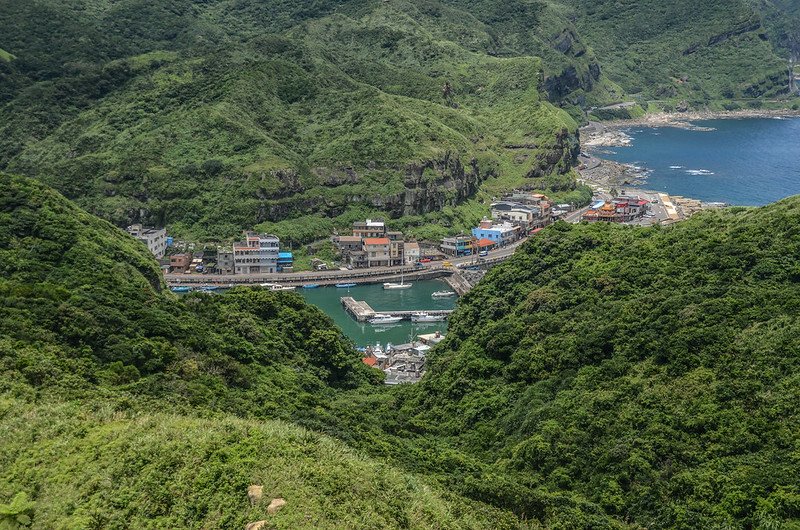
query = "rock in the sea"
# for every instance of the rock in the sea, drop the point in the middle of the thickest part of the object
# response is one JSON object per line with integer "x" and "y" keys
{"x": 275, "y": 505}
{"x": 254, "y": 493}
{"x": 258, "y": 525}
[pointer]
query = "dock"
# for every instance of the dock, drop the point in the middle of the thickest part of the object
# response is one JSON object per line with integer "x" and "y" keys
{"x": 362, "y": 311}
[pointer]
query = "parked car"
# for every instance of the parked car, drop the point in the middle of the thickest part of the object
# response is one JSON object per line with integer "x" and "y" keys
{"x": 425, "y": 260}
{"x": 483, "y": 253}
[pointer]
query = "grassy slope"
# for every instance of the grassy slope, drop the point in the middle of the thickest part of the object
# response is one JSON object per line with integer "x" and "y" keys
{"x": 650, "y": 375}
{"x": 111, "y": 469}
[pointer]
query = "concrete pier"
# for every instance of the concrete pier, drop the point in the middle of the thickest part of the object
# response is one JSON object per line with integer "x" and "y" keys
{"x": 362, "y": 311}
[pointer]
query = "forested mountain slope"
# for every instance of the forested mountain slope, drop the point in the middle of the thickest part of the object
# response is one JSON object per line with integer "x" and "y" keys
{"x": 651, "y": 375}
{"x": 219, "y": 115}
{"x": 121, "y": 404}
{"x": 83, "y": 308}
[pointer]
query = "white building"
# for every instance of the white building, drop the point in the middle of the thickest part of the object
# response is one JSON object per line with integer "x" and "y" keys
{"x": 257, "y": 254}
{"x": 411, "y": 253}
{"x": 154, "y": 238}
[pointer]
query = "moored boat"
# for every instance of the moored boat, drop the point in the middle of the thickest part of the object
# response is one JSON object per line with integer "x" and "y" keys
{"x": 384, "y": 319}
{"x": 278, "y": 287}
{"x": 345, "y": 285}
{"x": 180, "y": 289}
{"x": 423, "y": 316}
{"x": 310, "y": 286}
{"x": 443, "y": 294}
{"x": 390, "y": 285}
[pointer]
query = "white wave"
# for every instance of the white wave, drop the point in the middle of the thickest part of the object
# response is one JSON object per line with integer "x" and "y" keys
{"x": 676, "y": 167}
{"x": 699, "y": 172}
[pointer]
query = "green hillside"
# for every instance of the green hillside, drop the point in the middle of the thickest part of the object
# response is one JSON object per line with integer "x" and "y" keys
{"x": 83, "y": 308}
{"x": 210, "y": 122}
{"x": 215, "y": 116}
{"x": 694, "y": 51}
{"x": 651, "y": 376}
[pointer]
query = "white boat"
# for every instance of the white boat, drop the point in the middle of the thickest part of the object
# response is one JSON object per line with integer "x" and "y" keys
{"x": 384, "y": 319}
{"x": 443, "y": 294}
{"x": 427, "y": 317}
{"x": 401, "y": 285}
{"x": 390, "y": 285}
{"x": 278, "y": 287}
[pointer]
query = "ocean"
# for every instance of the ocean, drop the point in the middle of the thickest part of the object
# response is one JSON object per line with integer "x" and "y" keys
{"x": 748, "y": 162}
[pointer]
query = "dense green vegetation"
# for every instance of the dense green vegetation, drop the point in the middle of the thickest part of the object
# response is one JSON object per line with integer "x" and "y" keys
{"x": 215, "y": 116}
{"x": 695, "y": 52}
{"x": 83, "y": 307}
{"x": 651, "y": 376}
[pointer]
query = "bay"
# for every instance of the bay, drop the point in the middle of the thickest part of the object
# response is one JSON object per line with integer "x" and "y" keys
{"x": 749, "y": 162}
{"x": 328, "y": 299}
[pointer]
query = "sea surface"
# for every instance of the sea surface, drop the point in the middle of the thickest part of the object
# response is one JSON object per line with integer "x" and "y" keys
{"x": 749, "y": 162}
{"x": 365, "y": 334}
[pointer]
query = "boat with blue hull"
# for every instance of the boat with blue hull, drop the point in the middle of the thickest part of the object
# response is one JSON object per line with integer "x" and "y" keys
{"x": 345, "y": 285}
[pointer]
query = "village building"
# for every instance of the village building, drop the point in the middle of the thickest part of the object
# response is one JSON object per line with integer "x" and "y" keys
{"x": 457, "y": 246}
{"x": 348, "y": 244}
{"x": 285, "y": 262}
{"x": 501, "y": 233}
{"x": 180, "y": 262}
{"x": 411, "y": 253}
{"x": 619, "y": 210}
{"x": 369, "y": 229}
{"x": 377, "y": 251}
{"x": 155, "y": 239}
{"x": 225, "y": 260}
{"x": 257, "y": 254}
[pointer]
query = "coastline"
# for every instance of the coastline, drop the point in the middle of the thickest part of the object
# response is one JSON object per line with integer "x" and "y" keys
{"x": 684, "y": 119}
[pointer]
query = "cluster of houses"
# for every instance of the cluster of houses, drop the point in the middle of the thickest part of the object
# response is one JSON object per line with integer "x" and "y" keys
{"x": 513, "y": 217}
{"x": 255, "y": 254}
{"x": 372, "y": 245}
{"x": 622, "y": 209}
{"x": 402, "y": 363}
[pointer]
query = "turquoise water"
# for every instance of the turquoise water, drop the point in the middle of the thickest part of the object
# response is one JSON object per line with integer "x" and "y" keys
{"x": 749, "y": 162}
{"x": 363, "y": 334}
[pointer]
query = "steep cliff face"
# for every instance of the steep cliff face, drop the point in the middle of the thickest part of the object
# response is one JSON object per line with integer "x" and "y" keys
{"x": 428, "y": 186}
{"x": 558, "y": 158}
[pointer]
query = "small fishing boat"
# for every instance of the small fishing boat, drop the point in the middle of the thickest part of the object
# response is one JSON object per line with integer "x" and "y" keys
{"x": 278, "y": 287}
{"x": 345, "y": 285}
{"x": 210, "y": 288}
{"x": 380, "y": 319}
{"x": 180, "y": 289}
{"x": 422, "y": 316}
{"x": 311, "y": 286}
{"x": 443, "y": 294}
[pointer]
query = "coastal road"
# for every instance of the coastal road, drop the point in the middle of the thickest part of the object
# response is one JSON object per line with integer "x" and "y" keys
{"x": 374, "y": 274}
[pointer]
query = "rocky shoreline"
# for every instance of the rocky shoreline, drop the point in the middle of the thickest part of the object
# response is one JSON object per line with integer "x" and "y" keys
{"x": 685, "y": 119}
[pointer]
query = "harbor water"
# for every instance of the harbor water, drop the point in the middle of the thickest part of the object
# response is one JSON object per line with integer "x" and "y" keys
{"x": 749, "y": 162}
{"x": 364, "y": 334}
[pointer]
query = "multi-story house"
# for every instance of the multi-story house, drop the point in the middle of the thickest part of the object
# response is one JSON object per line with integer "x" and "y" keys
{"x": 369, "y": 229}
{"x": 257, "y": 254}
{"x": 154, "y": 238}
{"x": 377, "y": 250}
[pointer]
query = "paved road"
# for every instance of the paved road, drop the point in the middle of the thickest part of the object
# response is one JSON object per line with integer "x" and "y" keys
{"x": 336, "y": 276}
